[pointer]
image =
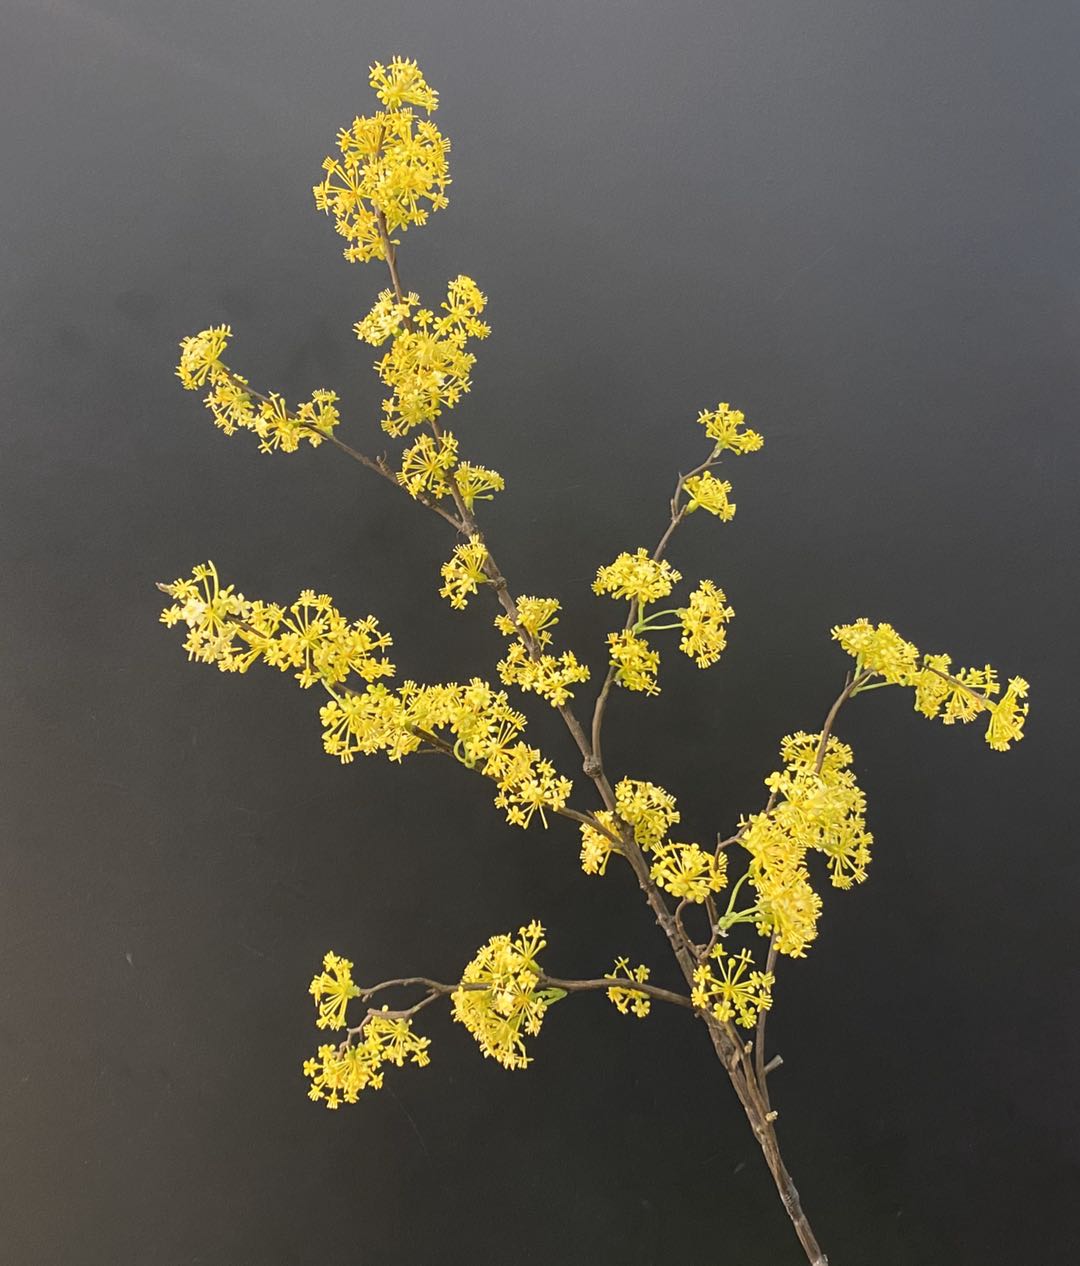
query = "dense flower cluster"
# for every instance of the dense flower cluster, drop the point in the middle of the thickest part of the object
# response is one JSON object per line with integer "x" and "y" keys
{"x": 706, "y": 492}
{"x": 703, "y": 621}
{"x": 426, "y": 366}
{"x": 473, "y": 723}
{"x": 390, "y": 164}
{"x": 727, "y": 428}
{"x": 630, "y": 1001}
{"x": 235, "y": 406}
{"x": 637, "y": 577}
{"x": 959, "y": 694}
{"x": 816, "y": 806}
{"x": 339, "y": 1073}
{"x": 505, "y": 1000}
{"x": 687, "y": 871}
{"x": 731, "y": 988}
{"x": 463, "y": 573}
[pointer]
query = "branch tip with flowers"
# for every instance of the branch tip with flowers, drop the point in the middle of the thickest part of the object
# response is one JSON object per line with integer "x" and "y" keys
{"x": 761, "y": 881}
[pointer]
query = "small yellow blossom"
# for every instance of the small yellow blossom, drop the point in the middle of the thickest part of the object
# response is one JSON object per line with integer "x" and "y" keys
{"x": 709, "y": 493}
{"x": 535, "y": 617}
{"x": 688, "y": 872}
{"x": 505, "y": 1002}
{"x": 200, "y": 355}
{"x": 339, "y": 1073}
{"x": 703, "y": 622}
{"x": 426, "y": 464}
{"x": 401, "y": 84}
{"x": 387, "y": 318}
{"x": 1007, "y": 716}
{"x": 630, "y": 1001}
{"x": 636, "y": 663}
{"x": 463, "y": 573}
{"x": 725, "y": 426}
{"x": 549, "y": 676}
{"x": 477, "y": 483}
{"x": 390, "y": 164}
{"x": 596, "y": 846}
{"x": 647, "y": 809}
{"x": 332, "y": 990}
{"x": 733, "y": 989}
{"x": 880, "y": 649}
{"x": 637, "y": 577}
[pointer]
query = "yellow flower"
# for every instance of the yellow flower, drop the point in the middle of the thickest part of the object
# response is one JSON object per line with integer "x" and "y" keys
{"x": 647, "y": 809}
{"x": 339, "y": 1073}
{"x": 402, "y": 84}
{"x": 725, "y": 426}
{"x": 637, "y": 577}
{"x": 391, "y": 164}
{"x": 426, "y": 464}
{"x": 505, "y": 1002}
{"x": 477, "y": 483}
{"x": 703, "y": 633}
{"x": 709, "y": 493}
{"x": 535, "y": 616}
{"x": 636, "y": 663}
{"x": 1007, "y": 716}
{"x": 463, "y": 573}
{"x": 880, "y": 649}
{"x": 549, "y": 676}
{"x": 630, "y": 1001}
{"x": 596, "y": 847}
{"x": 687, "y": 872}
{"x": 332, "y": 989}
{"x": 733, "y": 989}
{"x": 200, "y": 355}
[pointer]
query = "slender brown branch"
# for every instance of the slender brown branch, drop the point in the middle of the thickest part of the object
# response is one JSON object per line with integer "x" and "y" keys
{"x": 437, "y": 989}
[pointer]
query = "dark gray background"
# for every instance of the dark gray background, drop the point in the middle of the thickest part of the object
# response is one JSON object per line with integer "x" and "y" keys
{"x": 858, "y": 221}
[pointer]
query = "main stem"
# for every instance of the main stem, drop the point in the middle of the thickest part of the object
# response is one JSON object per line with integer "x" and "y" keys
{"x": 730, "y": 1049}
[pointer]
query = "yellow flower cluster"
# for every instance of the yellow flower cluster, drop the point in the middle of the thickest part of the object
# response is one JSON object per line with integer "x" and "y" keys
{"x": 709, "y": 493}
{"x": 726, "y": 428}
{"x": 630, "y": 1001}
{"x": 426, "y": 465}
{"x": 733, "y": 989}
{"x": 636, "y": 663}
{"x": 504, "y": 1001}
{"x": 525, "y": 666}
{"x": 391, "y": 164}
{"x": 703, "y": 633}
{"x": 647, "y": 809}
{"x": 687, "y": 871}
{"x": 596, "y": 847}
{"x": 236, "y": 407}
{"x": 332, "y": 989}
{"x": 637, "y": 577}
{"x": 426, "y": 367}
{"x": 549, "y": 676}
{"x": 339, "y": 1073}
{"x": 463, "y": 573}
{"x": 311, "y": 635}
{"x": 960, "y": 694}
{"x": 815, "y": 810}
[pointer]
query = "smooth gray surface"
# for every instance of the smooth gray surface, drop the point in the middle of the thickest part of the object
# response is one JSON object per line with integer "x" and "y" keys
{"x": 857, "y": 221}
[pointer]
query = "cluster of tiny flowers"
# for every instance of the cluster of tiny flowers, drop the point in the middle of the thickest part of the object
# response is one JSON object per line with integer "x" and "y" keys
{"x": 473, "y": 723}
{"x": 426, "y": 366}
{"x": 630, "y": 1001}
{"x": 813, "y": 809}
{"x": 687, "y": 871}
{"x": 339, "y": 1073}
{"x": 637, "y": 577}
{"x": 732, "y": 989}
{"x": 463, "y": 573}
{"x": 636, "y": 663}
{"x": 706, "y": 492}
{"x": 235, "y": 407}
{"x": 528, "y": 667}
{"x": 310, "y": 636}
{"x": 960, "y": 694}
{"x": 596, "y": 846}
{"x": 703, "y": 621}
{"x": 332, "y": 989}
{"x": 390, "y": 165}
{"x": 727, "y": 428}
{"x": 499, "y": 999}
{"x": 648, "y": 810}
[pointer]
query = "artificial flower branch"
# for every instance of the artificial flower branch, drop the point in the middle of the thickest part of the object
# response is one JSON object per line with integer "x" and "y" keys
{"x": 391, "y": 173}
